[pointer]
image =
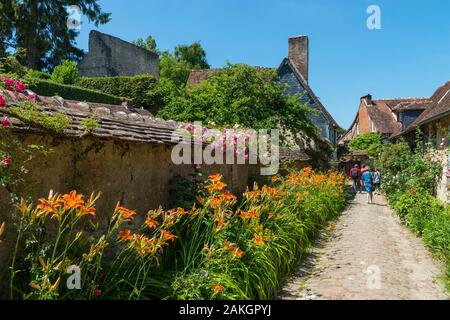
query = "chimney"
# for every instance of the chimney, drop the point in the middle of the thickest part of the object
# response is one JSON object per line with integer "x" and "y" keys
{"x": 299, "y": 55}
{"x": 367, "y": 99}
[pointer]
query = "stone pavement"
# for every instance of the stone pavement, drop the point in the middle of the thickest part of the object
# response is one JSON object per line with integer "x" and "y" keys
{"x": 367, "y": 254}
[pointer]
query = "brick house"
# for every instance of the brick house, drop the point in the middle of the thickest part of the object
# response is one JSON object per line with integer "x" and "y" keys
{"x": 385, "y": 116}
{"x": 293, "y": 71}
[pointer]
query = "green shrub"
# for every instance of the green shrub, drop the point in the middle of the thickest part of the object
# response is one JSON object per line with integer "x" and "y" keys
{"x": 145, "y": 90}
{"x": 65, "y": 73}
{"x": 10, "y": 66}
{"x": 38, "y": 74}
{"x": 437, "y": 234}
{"x": 49, "y": 88}
{"x": 417, "y": 208}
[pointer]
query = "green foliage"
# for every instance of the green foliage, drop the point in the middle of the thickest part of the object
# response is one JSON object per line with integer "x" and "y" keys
{"x": 288, "y": 217}
{"x": 40, "y": 27}
{"x": 369, "y": 142}
{"x": 90, "y": 124}
{"x": 9, "y": 65}
{"x": 141, "y": 89}
{"x": 38, "y": 74}
{"x": 193, "y": 54}
{"x": 147, "y": 44}
{"x": 409, "y": 180}
{"x": 49, "y": 88}
{"x": 238, "y": 94}
{"x": 173, "y": 69}
{"x": 404, "y": 169}
{"x": 65, "y": 73}
{"x": 32, "y": 114}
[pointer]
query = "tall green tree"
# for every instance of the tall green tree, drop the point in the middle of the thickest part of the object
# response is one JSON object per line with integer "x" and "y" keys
{"x": 41, "y": 27}
{"x": 371, "y": 142}
{"x": 8, "y": 13}
{"x": 239, "y": 94}
{"x": 193, "y": 54}
{"x": 148, "y": 44}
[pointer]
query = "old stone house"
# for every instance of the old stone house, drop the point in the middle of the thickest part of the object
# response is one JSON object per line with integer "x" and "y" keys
{"x": 385, "y": 116}
{"x": 434, "y": 123}
{"x": 109, "y": 56}
{"x": 401, "y": 118}
{"x": 293, "y": 71}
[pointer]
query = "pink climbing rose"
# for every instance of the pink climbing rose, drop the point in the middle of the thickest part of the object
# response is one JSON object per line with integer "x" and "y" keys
{"x": 6, "y": 122}
{"x": 6, "y": 160}
{"x": 14, "y": 85}
{"x": 2, "y": 101}
{"x": 20, "y": 87}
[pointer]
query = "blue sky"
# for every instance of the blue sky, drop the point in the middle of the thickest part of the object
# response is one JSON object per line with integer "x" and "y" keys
{"x": 408, "y": 57}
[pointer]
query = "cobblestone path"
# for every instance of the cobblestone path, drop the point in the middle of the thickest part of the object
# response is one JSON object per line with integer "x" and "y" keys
{"x": 368, "y": 254}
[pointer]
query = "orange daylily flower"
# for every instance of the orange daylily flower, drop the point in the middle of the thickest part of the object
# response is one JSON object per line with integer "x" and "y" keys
{"x": 47, "y": 206}
{"x": 238, "y": 253}
{"x": 167, "y": 236}
{"x": 216, "y": 202}
{"x": 126, "y": 214}
{"x": 247, "y": 215}
{"x": 218, "y": 186}
{"x": 259, "y": 240}
{"x": 72, "y": 200}
{"x": 85, "y": 210}
{"x": 125, "y": 235}
{"x": 217, "y": 288}
{"x": 227, "y": 196}
{"x": 151, "y": 223}
{"x": 215, "y": 178}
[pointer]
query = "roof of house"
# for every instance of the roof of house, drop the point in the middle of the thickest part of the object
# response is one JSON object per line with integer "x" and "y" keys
{"x": 381, "y": 115}
{"x": 293, "y": 155}
{"x": 115, "y": 121}
{"x": 308, "y": 89}
{"x": 380, "y": 111}
{"x": 438, "y": 108}
{"x": 401, "y": 104}
{"x": 197, "y": 76}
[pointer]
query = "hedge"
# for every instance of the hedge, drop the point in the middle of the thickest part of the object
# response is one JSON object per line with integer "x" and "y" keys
{"x": 139, "y": 88}
{"x": 49, "y": 88}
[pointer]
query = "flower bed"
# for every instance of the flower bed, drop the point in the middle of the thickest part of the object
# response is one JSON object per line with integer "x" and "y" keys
{"x": 221, "y": 248}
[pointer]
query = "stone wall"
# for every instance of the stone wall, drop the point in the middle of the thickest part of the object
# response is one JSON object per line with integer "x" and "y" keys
{"x": 139, "y": 175}
{"x": 442, "y": 144}
{"x": 109, "y": 56}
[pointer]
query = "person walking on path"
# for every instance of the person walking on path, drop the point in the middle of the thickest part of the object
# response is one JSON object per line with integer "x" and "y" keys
{"x": 355, "y": 174}
{"x": 367, "y": 181}
{"x": 377, "y": 181}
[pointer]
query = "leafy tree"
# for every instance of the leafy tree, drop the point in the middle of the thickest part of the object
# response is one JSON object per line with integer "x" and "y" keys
{"x": 40, "y": 26}
{"x": 173, "y": 69}
{"x": 370, "y": 142}
{"x": 65, "y": 73}
{"x": 8, "y": 13}
{"x": 193, "y": 54}
{"x": 238, "y": 94}
{"x": 147, "y": 44}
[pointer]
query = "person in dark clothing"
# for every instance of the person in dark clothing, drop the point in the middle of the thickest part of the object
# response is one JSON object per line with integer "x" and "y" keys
{"x": 355, "y": 174}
